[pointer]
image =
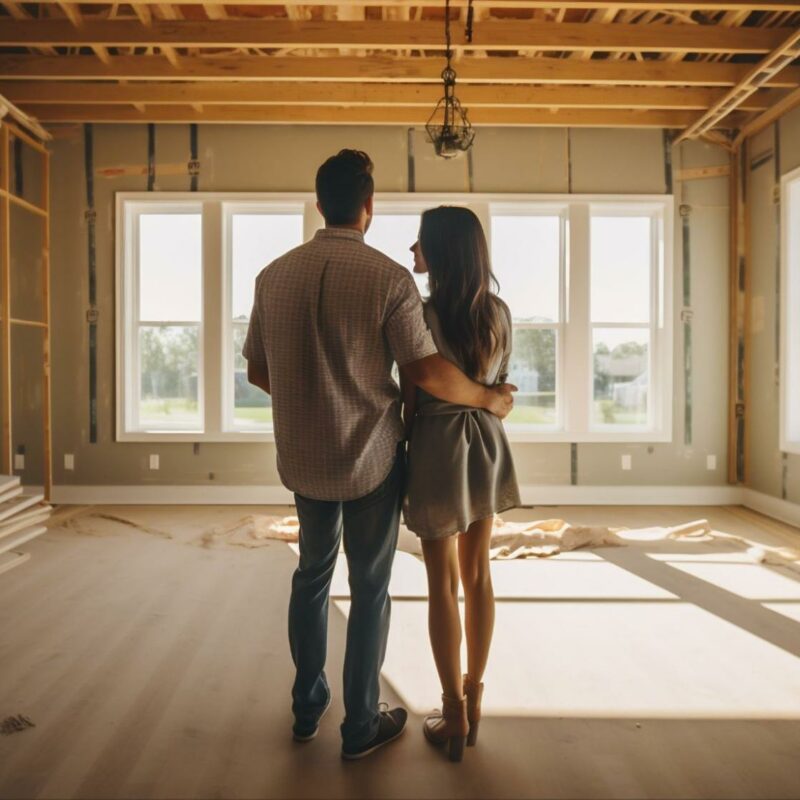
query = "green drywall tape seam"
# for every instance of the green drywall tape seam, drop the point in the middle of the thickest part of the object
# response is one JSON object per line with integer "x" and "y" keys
{"x": 573, "y": 463}
{"x": 686, "y": 316}
{"x": 18, "y": 184}
{"x": 91, "y": 315}
{"x": 668, "y": 178}
{"x": 194, "y": 160}
{"x": 412, "y": 177}
{"x": 151, "y": 157}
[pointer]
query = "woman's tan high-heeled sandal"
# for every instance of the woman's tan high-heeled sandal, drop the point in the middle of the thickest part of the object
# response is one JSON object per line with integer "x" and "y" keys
{"x": 474, "y": 694}
{"x": 449, "y": 727}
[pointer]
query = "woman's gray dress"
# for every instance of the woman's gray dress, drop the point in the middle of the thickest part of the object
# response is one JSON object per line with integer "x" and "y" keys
{"x": 460, "y": 467}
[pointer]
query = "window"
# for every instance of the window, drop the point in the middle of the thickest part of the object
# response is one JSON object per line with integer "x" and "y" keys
{"x": 587, "y": 280}
{"x": 790, "y": 320}
{"x": 163, "y": 318}
{"x": 255, "y": 235}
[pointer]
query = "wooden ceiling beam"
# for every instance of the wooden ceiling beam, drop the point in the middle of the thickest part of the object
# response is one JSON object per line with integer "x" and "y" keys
{"x": 512, "y": 35}
{"x": 73, "y": 14}
{"x": 360, "y": 115}
{"x": 760, "y": 121}
{"x": 754, "y": 79}
{"x": 387, "y": 68}
{"x": 285, "y": 93}
{"x": 643, "y": 5}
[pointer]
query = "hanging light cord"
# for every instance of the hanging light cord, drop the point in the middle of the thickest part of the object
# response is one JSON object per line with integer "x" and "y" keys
{"x": 470, "y": 17}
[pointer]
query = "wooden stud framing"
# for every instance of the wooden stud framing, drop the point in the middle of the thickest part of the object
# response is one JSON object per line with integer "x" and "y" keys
{"x": 6, "y": 459}
{"x": 641, "y": 5}
{"x": 360, "y": 94}
{"x": 514, "y": 35}
{"x": 778, "y": 59}
{"x": 386, "y": 68}
{"x": 7, "y": 197}
{"x": 372, "y": 115}
{"x": 47, "y": 432}
{"x": 761, "y": 121}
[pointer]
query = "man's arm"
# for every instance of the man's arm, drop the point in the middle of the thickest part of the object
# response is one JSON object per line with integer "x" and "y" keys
{"x": 408, "y": 392}
{"x": 442, "y": 379}
{"x": 258, "y": 375}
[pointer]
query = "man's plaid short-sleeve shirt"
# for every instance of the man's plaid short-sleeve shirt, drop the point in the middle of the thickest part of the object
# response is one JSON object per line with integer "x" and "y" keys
{"x": 329, "y": 318}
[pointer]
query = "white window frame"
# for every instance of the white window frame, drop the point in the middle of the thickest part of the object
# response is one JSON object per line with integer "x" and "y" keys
{"x": 790, "y": 320}
{"x": 574, "y": 345}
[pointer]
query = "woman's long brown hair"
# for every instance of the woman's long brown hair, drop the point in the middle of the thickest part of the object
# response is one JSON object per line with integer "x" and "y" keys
{"x": 462, "y": 285}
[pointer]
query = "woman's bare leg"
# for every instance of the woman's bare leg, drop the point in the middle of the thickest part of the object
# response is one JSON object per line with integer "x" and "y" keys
{"x": 444, "y": 620}
{"x": 476, "y": 578}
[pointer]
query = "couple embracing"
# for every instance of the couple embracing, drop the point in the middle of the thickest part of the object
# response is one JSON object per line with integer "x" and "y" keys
{"x": 329, "y": 320}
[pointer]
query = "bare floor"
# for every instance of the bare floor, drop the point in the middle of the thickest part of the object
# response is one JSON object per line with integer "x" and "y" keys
{"x": 150, "y": 652}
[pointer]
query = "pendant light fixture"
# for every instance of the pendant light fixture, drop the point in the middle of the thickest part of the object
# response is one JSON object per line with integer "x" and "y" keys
{"x": 449, "y": 129}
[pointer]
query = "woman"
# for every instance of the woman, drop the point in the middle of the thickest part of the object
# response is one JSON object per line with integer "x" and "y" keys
{"x": 460, "y": 468}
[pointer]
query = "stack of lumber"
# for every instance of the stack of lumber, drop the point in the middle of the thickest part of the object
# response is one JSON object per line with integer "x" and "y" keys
{"x": 22, "y": 517}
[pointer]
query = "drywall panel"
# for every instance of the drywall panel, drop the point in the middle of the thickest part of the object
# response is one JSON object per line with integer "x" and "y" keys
{"x": 256, "y": 158}
{"x": 26, "y": 402}
{"x": 520, "y": 160}
{"x": 27, "y": 242}
{"x": 693, "y": 155}
{"x": 433, "y": 174}
{"x": 286, "y": 158}
{"x": 614, "y": 160}
{"x": 765, "y": 466}
{"x": 789, "y": 126}
{"x": 771, "y": 471}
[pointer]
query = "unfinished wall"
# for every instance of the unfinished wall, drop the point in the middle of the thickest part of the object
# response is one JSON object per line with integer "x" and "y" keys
{"x": 275, "y": 158}
{"x": 27, "y": 240}
{"x": 773, "y": 152}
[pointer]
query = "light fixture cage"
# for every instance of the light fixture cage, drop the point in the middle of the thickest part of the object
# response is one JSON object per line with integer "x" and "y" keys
{"x": 449, "y": 128}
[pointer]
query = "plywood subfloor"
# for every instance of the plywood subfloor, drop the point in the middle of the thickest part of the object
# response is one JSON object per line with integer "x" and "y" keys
{"x": 156, "y": 667}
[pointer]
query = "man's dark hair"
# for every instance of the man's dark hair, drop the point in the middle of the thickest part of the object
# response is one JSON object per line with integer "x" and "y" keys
{"x": 344, "y": 184}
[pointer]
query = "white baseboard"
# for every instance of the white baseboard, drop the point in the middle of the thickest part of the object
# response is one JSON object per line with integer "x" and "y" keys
{"x": 771, "y": 506}
{"x": 172, "y": 495}
{"x": 278, "y": 495}
{"x": 561, "y": 495}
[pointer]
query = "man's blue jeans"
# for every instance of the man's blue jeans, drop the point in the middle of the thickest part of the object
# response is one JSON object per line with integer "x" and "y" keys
{"x": 370, "y": 526}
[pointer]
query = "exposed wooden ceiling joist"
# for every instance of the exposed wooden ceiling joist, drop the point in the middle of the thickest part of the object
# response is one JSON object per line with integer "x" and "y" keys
{"x": 760, "y": 121}
{"x": 645, "y": 5}
{"x": 757, "y": 75}
{"x": 386, "y": 68}
{"x": 284, "y": 93}
{"x": 512, "y": 35}
{"x": 361, "y": 115}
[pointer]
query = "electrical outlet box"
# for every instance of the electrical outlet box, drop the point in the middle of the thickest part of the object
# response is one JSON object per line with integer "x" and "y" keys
{"x": 626, "y": 461}
{"x": 69, "y": 461}
{"x": 711, "y": 462}
{"x": 154, "y": 461}
{"x": 19, "y": 460}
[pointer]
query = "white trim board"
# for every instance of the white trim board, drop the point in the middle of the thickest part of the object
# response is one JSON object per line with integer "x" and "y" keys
{"x": 771, "y": 506}
{"x": 10, "y": 560}
{"x": 8, "y": 482}
{"x": 278, "y": 495}
{"x": 24, "y": 536}
{"x": 17, "y": 525}
{"x": 9, "y": 508}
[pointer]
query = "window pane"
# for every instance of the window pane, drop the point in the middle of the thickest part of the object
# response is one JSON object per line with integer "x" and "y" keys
{"x": 170, "y": 267}
{"x": 526, "y": 258}
{"x": 257, "y": 240}
{"x": 621, "y": 257}
{"x": 393, "y": 234}
{"x": 168, "y": 368}
{"x": 252, "y": 408}
{"x": 533, "y": 370}
{"x": 621, "y": 376}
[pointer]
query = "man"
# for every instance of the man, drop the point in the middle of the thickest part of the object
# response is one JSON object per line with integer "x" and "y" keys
{"x": 328, "y": 320}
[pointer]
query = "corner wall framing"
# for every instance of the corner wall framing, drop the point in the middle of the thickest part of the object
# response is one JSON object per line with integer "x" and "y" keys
{"x": 7, "y": 322}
